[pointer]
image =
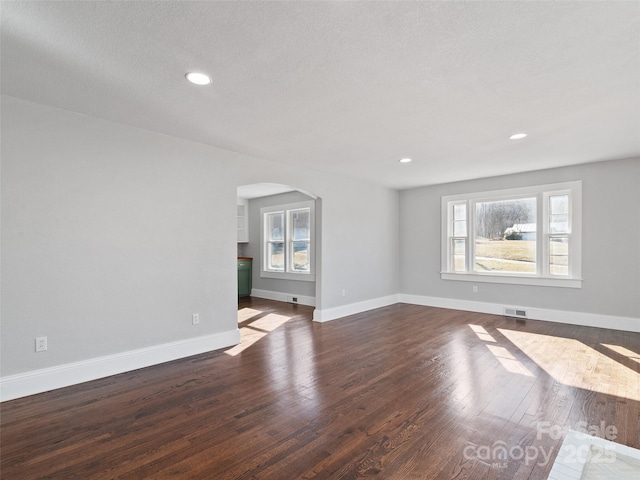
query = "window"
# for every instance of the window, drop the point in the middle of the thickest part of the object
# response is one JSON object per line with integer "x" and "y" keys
{"x": 288, "y": 241}
{"x": 275, "y": 241}
{"x": 529, "y": 235}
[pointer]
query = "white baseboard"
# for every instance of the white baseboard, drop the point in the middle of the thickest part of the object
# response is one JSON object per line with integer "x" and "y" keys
{"x": 328, "y": 314}
{"x": 628, "y": 324}
{"x": 38, "y": 381}
{"x": 284, "y": 297}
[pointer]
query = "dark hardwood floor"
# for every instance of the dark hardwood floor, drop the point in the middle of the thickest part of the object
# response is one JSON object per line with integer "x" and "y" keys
{"x": 402, "y": 392}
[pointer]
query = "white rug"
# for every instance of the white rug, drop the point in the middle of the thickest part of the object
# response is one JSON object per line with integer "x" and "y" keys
{"x": 583, "y": 457}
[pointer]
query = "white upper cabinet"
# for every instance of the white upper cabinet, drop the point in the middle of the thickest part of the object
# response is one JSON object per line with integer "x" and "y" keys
{"x": 242, "y": 206}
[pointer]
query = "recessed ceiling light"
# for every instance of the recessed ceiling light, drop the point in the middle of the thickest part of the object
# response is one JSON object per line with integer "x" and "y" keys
{"x": 198, "y": 78}
{"x": 517, "y": 136}
{"x": 405, "y": 160}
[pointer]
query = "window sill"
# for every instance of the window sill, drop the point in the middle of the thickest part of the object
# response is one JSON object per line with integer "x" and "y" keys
{"x": 300, "y": 277}
{"x": 513, "y": 279}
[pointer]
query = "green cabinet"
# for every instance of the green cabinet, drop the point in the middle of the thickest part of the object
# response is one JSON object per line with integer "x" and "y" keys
{"x": 244, "y": 276}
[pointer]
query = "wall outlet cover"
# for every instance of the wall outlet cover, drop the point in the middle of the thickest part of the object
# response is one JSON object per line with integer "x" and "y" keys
{"x": 41, "y": 344}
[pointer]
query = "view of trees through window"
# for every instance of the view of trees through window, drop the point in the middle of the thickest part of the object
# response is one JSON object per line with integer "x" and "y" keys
{"x": 526, "y": 235}
{"x": 505, "y": 236}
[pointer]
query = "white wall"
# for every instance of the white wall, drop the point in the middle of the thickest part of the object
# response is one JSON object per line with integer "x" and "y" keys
{"x": 359, "y": 239}
{"x": 611, "y": 242}
{"x": 113, "y": 236}
{"x": 110, "y": 238}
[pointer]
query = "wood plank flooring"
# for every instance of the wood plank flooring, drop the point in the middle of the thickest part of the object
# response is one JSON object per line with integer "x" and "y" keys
{"x": 402, "y": 392}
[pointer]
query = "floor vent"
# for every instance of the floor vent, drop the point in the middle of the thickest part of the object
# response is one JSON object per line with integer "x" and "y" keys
{"x": 515, "y": 312}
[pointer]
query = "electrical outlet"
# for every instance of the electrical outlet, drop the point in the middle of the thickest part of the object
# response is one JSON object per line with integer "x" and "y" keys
{"x": 41, "y": 344}
{"x": 344, "y": 292}
{"x": 195, "y": 318}
{"x": 475, "y": 289}
{"x": 294, "y": 299}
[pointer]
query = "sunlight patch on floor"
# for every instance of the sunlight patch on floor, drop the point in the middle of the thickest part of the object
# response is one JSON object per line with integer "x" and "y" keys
{"x": 509, "y": 362}
{"x": 256, "y": 330}
{"x": 482, "y": 333}
{"x": 248, "y": 336}
{"x": 506, "y": 359}
{"x": 575, "y": 364}
{"x": 246, "y": 313}
{"x": 270, "y": 322}
{"x": 623, "y": 351}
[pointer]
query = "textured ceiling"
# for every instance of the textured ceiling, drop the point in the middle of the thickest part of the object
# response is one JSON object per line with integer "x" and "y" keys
{"x": 347, "y": 87}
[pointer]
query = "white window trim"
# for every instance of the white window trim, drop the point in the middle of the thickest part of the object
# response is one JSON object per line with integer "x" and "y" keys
{"x": 288, "y": 275}
{"x": 542, "y": 277}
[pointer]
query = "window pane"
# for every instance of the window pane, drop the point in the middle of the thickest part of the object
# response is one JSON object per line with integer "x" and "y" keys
{"x": 559, "y": 255}
{"x": 300, "y": 224}
{"x": 558, "y": 204}
{"x": 559, "y": 265}
{"x": 506, "y": 236}
{"x": 300, "y": 256}
{"x": 460, "y": 229}
{"x": 275, "y": 226}
{"x": 275, "y": 256}
{"x": 558, "y": 246}
{"x": 559, "y": 223}
{"x": 459, "y": 246}
{"x": 459, "y": 263}
{"x": 459, "y": 212}
{"x": 458, "y": 257}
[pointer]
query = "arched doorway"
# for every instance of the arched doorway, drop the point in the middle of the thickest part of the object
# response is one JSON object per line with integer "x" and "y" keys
{"x": 272, "y": 219}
